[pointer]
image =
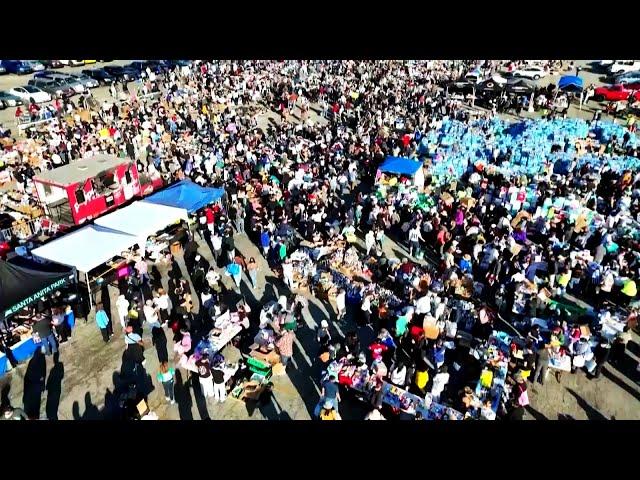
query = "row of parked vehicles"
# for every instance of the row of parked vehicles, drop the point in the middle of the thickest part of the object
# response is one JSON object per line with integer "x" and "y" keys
{"x": 47, "y": 84}
{"x": 25, "y": 67}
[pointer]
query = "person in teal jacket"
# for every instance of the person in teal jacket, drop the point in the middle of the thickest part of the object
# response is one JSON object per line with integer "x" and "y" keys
{"x": 104, "y": 324}
{"x": 235, "y": 271}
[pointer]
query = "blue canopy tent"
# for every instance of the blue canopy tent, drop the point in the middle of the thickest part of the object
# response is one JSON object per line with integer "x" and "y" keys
{"x": 400, "y": 166}
{"x": 570, "y": 83}
{"x": 403, "y": 166}
{"x": 188, "y": 195}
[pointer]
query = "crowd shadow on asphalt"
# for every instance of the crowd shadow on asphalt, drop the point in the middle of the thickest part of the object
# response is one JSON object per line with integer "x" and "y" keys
{"x": 54, "y": 388}
{"x": 622, "y": 384}
{"x": 34, "y": 384}
{"x": 268, "y": 406}
{"x": 123, "y": 379}
{"x": 534, "y": 413}
{"x": 633, "y": 348}
{"x": 183, "y": 397}
{"x": 592, "y": 413}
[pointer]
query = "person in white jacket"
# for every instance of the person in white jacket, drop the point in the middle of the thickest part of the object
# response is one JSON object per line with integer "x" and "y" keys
{"x": 341, "y": 303}
{"x": 122, "y": 305}
{"x": 369, "y": 241}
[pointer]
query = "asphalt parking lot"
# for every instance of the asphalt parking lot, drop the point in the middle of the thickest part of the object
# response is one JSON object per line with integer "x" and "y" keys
{"x": 9, "y": 81}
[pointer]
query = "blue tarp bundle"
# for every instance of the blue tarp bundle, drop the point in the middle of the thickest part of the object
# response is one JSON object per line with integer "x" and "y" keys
{"x": 400, "y": 166}
{"x": 188, "y": 195}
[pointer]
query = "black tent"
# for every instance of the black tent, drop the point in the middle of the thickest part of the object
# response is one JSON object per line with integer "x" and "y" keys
{"x": 20, "y": 286}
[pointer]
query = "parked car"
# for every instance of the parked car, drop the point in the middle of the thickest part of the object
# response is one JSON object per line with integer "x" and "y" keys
{"x": 100, "y": 75}
{"x": 531, "y": 71}
{"x": 137, "y": 66}
{"x": 623, "y": 66}
{"x": 123, "y": 73}
{"x": 64, "y": 78}
{"x": 35, "y": 65}
{"x": 55, "y": 88}
{"x": 72, "y": 63}
{"x": 87, "y": 82}
{"x": 18, "y": 67}
{"x": 615, "y": 93}
{"x": 628, "y": 77}
{"x": 8, "y": 100}
{"x": 28, "y": 92}
{"x": 51, "y": 63}
{"x": 89, "y": 62}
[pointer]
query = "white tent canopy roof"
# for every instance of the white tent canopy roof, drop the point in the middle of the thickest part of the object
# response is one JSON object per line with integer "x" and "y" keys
{"x": 142, "y": 218}
{"x": 86, "y": 248}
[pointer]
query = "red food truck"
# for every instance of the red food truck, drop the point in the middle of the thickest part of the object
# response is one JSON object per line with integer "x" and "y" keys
{"x": 88, "y": 188}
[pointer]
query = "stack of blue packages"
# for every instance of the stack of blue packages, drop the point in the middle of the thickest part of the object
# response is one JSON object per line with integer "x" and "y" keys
{"x": 458, "y": 145}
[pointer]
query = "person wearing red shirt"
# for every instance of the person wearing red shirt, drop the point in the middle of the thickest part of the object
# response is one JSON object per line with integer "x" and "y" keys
{"x": 208, "y": 212}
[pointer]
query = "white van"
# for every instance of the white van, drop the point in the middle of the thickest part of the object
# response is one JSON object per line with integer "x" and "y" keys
{"x": 623, "y": 66}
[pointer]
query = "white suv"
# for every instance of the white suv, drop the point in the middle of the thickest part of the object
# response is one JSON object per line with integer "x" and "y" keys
{"x": 623, "y": 66}
{"x": 531, "y": 71}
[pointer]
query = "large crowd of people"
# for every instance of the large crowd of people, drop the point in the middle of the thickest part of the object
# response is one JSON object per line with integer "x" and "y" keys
{"x": 494, "y": 290}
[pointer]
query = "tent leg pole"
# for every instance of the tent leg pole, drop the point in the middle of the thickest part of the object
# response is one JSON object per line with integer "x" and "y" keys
{"x": 86, "y": 276}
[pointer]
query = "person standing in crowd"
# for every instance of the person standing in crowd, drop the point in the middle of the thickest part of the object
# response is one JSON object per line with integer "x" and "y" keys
{"x": 204, "y": 375}
{"x": 285, "y": 344}
{"x": 122, "y": 306}
{"x": 166, "y": 378}
{"x": 287, "y": 274}
{"x": 414, "y": 240}
{"x": 13, "y": 413}
{"x": 151, "y": 315}
{"x": 104, "y": 324}
{"x": 43, "y": 333}
{"x": 252, "y": 269}
{"x": 341, "y": 304}
{"x": 219, "y": 385}
{"x": 69, "y": 319}
{"x": 163, "y": 304}
{"x": 328, "y": 412}
{"x": 329, "y": 395}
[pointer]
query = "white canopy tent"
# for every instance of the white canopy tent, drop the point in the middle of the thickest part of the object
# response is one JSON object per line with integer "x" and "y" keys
{"x": 86, "y": 248}
{"x": 142, "y": 219}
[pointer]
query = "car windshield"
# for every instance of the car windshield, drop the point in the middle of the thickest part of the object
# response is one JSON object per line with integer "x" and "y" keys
{"x": 31, "y": 89}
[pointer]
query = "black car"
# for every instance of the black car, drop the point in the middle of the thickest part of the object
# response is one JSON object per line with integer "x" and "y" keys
{"x": 142, "y": 66}
{"x": 51, "y": 63}
{"x": 122, "y": 73}
{"x": 99, "y": 74}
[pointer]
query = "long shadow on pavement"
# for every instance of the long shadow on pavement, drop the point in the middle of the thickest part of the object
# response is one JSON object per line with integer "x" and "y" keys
{"x": 183, "y": 397}
{"x": 592, "y": 413}
{"x": 534, "y": 413}
{"x": 201, "y": 402}
{"x": 34, "y": 384}
{"x": 622, "y": 384}
{"x": 54, "y": 388}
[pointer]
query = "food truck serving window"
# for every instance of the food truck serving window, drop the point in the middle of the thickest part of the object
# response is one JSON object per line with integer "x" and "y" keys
{"x": 80, "y": 195}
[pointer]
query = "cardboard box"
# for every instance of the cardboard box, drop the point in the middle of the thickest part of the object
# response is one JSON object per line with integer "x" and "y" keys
{"x": 272, "y": 358}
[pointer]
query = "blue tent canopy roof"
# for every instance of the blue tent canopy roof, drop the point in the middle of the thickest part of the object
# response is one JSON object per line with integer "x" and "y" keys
{"x": 400, "y": 166}
{"x": 188, "y": 195}
{"x": 570, "y": 81}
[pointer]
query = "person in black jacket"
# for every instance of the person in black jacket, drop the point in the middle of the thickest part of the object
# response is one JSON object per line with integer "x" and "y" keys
{"x": 159, "y": 339}
{"x": 601, "y": 356}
